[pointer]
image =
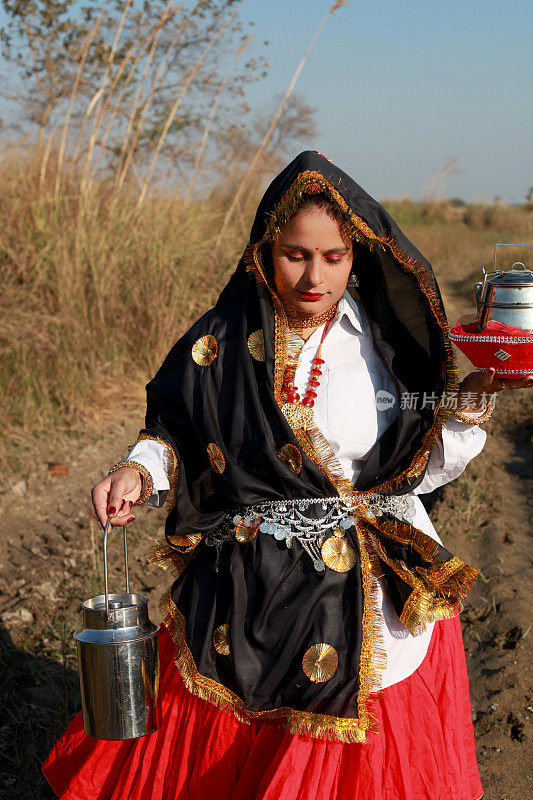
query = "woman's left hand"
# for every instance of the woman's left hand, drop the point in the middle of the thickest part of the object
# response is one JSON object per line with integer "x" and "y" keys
{"x": 477, "y": 384}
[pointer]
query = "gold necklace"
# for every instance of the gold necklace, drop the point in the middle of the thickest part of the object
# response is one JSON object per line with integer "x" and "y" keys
{"x": 297, "y": 322}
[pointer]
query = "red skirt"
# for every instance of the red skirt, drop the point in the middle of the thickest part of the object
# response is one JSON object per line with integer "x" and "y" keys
{"x": 422, "y": 750}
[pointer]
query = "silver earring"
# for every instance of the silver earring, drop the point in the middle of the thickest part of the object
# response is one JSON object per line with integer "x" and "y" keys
{"x": 353, "y": 280}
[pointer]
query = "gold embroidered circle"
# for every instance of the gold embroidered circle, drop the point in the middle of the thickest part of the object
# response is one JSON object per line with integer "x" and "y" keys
{"x": 186, "y": 543}
{"x": 245, "y": 533}
{"x": 221, "y": 640}
{"x": 338, "y": 555}
{"x": 297, "y": 416}
{"x": 320, "y": 662}
{"x": 204, "y": 350}
{"x": 290, "y": 454}
{"x": 256, "y": 345}
{"x": 216, "y": 458}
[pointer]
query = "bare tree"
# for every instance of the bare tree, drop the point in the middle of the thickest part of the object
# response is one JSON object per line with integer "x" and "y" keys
{"x": 108, "y": 76}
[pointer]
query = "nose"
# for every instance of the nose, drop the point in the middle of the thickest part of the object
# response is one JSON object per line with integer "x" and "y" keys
{"x": 314, "y": 271}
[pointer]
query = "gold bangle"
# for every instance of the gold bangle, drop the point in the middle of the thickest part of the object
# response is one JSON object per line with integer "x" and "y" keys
{"x": 462, "y": 417}
{"x": 145, "y": 474}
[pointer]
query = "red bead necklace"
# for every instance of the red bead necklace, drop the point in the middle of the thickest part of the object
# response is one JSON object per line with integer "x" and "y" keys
{"x": 290, "y": 389}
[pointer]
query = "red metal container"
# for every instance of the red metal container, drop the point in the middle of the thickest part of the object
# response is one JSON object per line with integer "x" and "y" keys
{"x": 500, "y": 334}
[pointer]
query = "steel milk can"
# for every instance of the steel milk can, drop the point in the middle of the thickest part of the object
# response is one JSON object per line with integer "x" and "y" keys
{"x": 500, "y": 333}
{"x": 118, "y": 658}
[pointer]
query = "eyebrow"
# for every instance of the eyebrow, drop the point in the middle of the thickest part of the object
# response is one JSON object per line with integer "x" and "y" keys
{"x": 305, "y": 250}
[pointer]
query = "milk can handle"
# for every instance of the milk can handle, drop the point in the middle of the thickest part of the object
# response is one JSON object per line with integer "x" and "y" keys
{"x": 106, "y": 531}
{"x": 509, "y": 244}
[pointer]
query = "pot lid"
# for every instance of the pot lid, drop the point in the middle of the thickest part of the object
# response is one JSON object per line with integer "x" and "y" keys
{"x": 512, "y": 277}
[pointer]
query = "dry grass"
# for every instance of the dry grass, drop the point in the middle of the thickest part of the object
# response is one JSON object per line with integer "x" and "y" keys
{"x": 94, "y": 292}
{"x": 458, "y": 241}
{"x": 100, "y": 274}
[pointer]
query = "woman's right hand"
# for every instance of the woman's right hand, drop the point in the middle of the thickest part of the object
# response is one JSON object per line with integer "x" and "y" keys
{"x": 115, "y": 495}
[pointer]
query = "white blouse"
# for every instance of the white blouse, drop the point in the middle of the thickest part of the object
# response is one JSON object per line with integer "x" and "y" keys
{"x": 356, "y": 401}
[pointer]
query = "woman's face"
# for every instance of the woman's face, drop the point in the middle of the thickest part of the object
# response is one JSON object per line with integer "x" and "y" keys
{"x": 312, "y": 262}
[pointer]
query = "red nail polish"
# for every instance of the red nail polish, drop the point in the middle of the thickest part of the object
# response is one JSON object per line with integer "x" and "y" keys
{"x": 130, "y": 503}
{"x": 111, "y": 511}
{"x": 130, "y": 519}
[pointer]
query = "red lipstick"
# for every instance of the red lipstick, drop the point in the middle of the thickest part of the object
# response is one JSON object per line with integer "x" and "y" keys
{"x": 311, "y": 297}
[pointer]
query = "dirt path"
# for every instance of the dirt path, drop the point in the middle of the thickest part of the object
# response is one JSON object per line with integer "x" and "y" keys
{"x": 50, "y": 560}
{"x": 486, "y": 516}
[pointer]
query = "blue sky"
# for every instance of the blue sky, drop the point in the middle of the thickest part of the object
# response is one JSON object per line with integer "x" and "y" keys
{"x": 401, "y": 85}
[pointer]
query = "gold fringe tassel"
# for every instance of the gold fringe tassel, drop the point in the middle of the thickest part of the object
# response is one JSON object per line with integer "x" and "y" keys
{"x": 168, "y": 558}
{"x": 436, "y": 589}
{"x": 423, "y": 608}
{"x": 408, "y": 535}
{"x": 373, "y": 653}
{"x": 453, "y": 578}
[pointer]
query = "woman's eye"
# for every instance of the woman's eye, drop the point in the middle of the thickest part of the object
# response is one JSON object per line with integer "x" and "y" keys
{"x": 333, "y": 259}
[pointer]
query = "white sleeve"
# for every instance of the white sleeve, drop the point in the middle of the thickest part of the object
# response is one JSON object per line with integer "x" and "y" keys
{"x": 461, "y": 443}
{"x": 152, "y": 455}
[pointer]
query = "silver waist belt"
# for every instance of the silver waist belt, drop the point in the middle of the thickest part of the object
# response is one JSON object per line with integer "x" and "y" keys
{"x": 287, "y": 521}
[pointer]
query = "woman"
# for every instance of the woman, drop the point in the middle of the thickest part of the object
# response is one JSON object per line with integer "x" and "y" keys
{"x": 293, "y": 427}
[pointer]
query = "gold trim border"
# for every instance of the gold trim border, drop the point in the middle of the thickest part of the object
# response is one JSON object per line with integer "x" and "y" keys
{"x": 305, "y": 723}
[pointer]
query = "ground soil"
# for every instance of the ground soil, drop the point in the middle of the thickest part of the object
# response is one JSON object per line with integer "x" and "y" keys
{"x": 51, "y": 559}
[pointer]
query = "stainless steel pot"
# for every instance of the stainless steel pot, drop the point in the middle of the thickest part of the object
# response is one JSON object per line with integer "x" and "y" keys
{"x": 506, "y": 296}
{"x": 118, "y": 659}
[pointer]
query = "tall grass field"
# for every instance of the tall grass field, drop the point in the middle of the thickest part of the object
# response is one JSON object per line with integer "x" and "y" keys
{"x": 95, "y": 290}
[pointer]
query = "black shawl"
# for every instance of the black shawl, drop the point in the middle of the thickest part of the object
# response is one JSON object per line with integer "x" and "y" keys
{"x": 245, "y": 610}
